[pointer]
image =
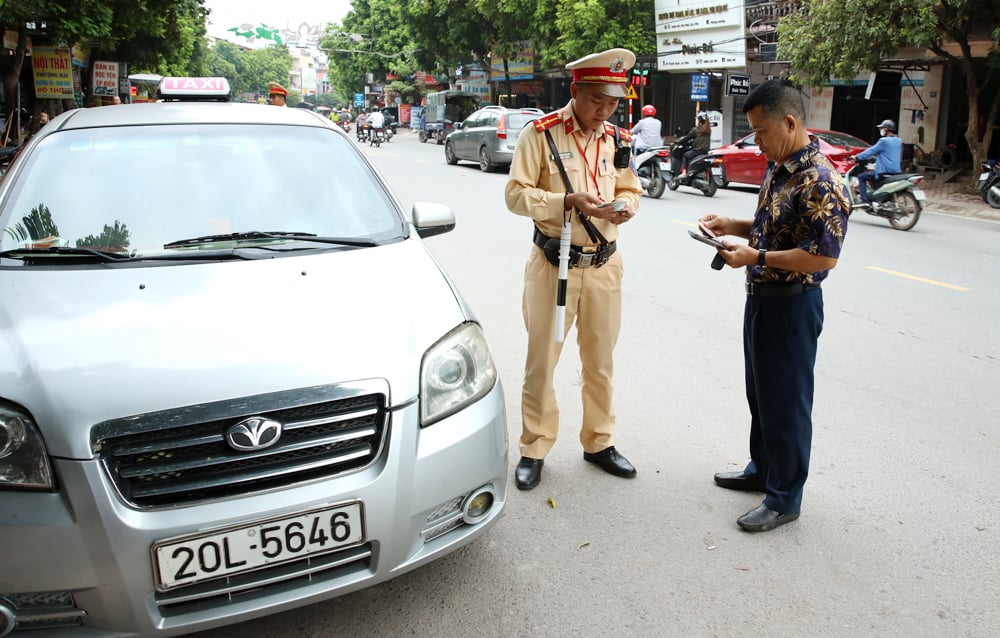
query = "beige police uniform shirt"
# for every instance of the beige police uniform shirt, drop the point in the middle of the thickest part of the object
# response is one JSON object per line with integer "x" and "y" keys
{"x": 535, "y": 188}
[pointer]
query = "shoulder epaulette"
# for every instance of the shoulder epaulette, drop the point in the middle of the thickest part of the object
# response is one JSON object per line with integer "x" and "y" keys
{"x": 609, "y": 128}
{"x": 547, "y": 121}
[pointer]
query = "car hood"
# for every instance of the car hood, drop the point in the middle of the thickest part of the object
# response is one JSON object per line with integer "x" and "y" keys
{"x": 79, "y": 346}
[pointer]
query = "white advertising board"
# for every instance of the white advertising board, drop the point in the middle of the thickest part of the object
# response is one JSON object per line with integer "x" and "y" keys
{"x": 699, "y": 34}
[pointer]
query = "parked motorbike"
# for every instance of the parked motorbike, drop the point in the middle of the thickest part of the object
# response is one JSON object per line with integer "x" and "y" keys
{"x": 653, "y": 167}
{"x": 698, "y": 174}
{"x": 894, "y": 197}
{"x": 989, "y": 183}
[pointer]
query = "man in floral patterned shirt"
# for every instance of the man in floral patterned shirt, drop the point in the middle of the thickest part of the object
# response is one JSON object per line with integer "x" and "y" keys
{"x": 794, "y": 241}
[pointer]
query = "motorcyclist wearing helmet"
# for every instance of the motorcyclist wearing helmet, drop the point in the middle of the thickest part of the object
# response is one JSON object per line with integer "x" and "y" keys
{"x": 376, "y": 121}
{"x": 647, "y": 132}
{"x": 888, "y": 152}
{"x": 695, "y": 143}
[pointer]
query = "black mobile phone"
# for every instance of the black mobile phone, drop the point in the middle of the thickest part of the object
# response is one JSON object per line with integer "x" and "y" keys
{"x": 711, "y": 241}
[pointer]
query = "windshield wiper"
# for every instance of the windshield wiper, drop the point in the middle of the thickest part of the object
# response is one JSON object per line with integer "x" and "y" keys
{"x": 26, "y": 253}
{"x": 257, "y": 234}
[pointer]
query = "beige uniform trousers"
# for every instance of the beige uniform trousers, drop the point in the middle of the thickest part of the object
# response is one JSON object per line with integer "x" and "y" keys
{"x": 594, "y": 302}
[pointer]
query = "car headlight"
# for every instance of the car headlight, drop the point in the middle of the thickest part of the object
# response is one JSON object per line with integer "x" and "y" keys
{"x": 456, "y": 371}
{"x": 23, "y": 460}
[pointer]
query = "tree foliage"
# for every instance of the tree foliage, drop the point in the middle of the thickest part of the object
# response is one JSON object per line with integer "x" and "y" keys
{"x": 839, "y": 38}
{"x": 438, "y": 36}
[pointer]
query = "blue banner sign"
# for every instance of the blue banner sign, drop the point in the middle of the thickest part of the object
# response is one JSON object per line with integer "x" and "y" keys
{"x": 699, "y": 87}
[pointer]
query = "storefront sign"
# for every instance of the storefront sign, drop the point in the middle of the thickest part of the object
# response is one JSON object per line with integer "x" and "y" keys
{"x": 53, "y": 73}
{"x": 105, "y": 78}
{"x": 699, "y": 34}
{"x": 738, "y": 84}
{"x": 520, "y": 67}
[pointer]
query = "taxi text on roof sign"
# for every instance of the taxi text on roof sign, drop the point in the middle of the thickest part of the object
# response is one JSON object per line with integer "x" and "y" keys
{"x": 187, "y": 88}
{"x": 194, "y": 84}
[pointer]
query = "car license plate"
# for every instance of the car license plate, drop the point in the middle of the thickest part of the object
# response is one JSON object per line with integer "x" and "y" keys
{"x": 919, "y": 194}
{"x": 716, "y": 170}
{"x": 664, "y": 166}
{"x": 201, "y": 557}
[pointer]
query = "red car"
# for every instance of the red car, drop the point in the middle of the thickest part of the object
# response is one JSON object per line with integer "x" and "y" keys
{"x": 743, "y": 163}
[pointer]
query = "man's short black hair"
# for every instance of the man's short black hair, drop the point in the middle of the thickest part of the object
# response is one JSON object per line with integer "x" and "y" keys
{"x": 777, "y": 98}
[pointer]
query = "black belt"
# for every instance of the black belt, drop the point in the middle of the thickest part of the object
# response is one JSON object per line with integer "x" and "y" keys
{"x": 778, "y": 289}
{"x": 579, "y": 256}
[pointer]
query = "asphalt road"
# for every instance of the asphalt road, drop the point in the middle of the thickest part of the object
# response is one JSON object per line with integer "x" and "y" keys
{"x": 900, "y": 526}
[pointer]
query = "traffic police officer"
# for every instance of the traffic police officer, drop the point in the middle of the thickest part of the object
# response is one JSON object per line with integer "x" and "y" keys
{"x": 276, "y": 94}
{"x": 594, "y": 154}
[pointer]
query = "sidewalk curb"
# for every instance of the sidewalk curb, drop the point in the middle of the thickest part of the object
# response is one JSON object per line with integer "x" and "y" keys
{"x": 981, "y": 211}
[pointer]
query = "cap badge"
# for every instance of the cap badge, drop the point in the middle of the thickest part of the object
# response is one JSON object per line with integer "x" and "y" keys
{"x": 617, "y": 65}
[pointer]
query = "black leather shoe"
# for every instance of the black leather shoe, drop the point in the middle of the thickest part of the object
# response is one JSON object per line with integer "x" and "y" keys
{"x": 738, "y": 481}
{"x": 611, "y": 462}
{"x": 528, "y": 473}
{"x": 762, "y": 518}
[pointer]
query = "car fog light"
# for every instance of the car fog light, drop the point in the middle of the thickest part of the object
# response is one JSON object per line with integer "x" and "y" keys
{"x": 478, "y": 505}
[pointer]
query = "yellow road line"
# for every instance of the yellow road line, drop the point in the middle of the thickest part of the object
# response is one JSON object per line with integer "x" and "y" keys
{"x": 922, "y": 280}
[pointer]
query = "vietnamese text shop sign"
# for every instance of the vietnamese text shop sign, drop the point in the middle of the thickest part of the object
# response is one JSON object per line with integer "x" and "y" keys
{"x": 53, "y": 69}
{"x": 693, "y": 35}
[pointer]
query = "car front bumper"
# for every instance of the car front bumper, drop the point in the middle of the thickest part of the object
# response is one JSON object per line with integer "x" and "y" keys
{"x": 84, "y": 547}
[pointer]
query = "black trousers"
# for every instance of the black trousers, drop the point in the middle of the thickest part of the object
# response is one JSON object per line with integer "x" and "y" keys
{"x": 780, "y": 335}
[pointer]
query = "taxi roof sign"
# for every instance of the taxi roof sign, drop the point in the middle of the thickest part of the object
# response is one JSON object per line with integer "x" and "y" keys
{"x": 188, "y": 89}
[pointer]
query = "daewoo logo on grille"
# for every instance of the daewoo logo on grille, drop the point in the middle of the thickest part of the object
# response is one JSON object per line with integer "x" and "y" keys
{"x": 255, "y": 433}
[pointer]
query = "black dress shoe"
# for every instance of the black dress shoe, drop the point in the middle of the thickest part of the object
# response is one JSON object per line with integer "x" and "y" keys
{"x": 611, "y": 462}
{"x": 739, "y": 481}
{"x": 762, "y": 518}
{"x": 528, "y": 473}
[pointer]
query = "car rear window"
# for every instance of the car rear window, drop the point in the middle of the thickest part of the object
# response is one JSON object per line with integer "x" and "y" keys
{"x": 517, "y": 121}
{"x": 147, "y": 186}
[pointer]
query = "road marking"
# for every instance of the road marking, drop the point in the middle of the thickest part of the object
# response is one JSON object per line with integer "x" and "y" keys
{"x": 922, "y": 280}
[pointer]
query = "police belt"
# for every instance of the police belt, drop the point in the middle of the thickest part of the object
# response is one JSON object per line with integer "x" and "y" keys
{"x": 777, "y": 289}
{"x": 579, "y": 256}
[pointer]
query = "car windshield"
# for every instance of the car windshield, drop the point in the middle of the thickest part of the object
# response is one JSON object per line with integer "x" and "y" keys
{"x": 841, "y": 139}
{"x": 136, "y": 190}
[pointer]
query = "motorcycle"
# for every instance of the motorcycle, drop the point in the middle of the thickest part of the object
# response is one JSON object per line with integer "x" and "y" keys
{"x": 894, "y": 197}
{"x": 376, "y": 136}
{"x": 363, "y": 133}
{"x": 698, "y": 174}
{"x": 653, "y": 167}
{"x": 989, "y": 183}
{"x": 346, "y": 126}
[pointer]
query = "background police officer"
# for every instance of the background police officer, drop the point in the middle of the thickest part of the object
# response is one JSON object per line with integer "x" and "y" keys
{"x": 607, "y": 193}
{"x": 276, "y": 94}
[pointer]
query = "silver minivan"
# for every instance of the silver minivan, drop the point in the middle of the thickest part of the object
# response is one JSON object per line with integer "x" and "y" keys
{"x": 233, "y": 380}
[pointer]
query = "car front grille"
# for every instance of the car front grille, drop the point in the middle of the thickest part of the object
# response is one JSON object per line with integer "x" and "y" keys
{"x": 160, "y": 462}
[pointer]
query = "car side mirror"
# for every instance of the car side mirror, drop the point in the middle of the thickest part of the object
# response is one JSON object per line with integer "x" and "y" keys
{"x": 430, "y": 218}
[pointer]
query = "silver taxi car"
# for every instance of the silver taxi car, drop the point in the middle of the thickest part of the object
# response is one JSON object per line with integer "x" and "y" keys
{"x": 233, "y": 380}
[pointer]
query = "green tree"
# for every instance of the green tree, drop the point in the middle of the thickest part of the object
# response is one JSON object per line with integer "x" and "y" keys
{"x": 374, "y": 38}
{"x": 839, "y": 38}
{"x": 570, "y": 29}
{"x": 260, "y": 66}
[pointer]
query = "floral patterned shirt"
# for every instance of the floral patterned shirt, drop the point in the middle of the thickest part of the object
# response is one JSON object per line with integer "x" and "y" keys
{"x": 803, "y": 204}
